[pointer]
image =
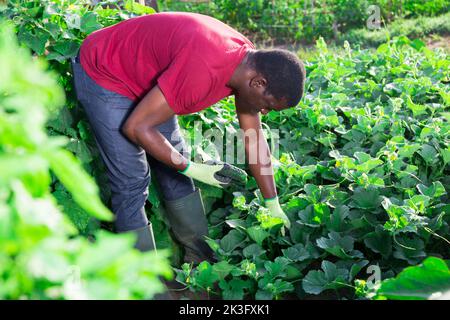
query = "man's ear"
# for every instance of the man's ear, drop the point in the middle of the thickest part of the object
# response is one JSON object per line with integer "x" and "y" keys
{"x": 258, "y": 82}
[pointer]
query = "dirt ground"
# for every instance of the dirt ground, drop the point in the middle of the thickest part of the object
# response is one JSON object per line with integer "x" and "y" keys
{"x": 439, "y": 42}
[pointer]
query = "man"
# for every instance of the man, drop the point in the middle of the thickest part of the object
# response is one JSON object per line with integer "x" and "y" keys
{"x": 135, "y": 77}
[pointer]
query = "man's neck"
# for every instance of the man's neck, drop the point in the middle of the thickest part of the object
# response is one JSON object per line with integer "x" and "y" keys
{"x": 240, "y": 73}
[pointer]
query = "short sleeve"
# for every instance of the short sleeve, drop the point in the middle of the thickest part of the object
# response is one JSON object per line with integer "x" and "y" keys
{"x": 185, "y": 83}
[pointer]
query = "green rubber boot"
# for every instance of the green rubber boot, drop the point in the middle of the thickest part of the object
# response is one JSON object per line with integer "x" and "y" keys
{"x": 188, "y": 222}
{"x": 145, "y": 240}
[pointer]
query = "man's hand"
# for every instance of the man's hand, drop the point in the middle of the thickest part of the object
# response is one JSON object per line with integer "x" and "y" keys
{"x": 222, "y": 175}
{"x": 275, "y": 210}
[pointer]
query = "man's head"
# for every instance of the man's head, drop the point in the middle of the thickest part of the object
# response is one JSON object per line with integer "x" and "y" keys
{"x": 271, "y": 80}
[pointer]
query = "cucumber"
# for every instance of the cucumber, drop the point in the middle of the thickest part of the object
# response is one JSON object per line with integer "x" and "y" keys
{"x": 234, "y": 173}
{"x": 230, "y": 175}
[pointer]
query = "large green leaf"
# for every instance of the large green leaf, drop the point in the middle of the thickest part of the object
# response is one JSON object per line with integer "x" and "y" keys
{"x": 82, "y": 187}
{"x": 234, "y": 289}
{"x": 113, "y": 248}
{"x": 276, "y": 268}
{"x": 429, "y": 279}
{"x": 205, "y": 275}
{"x": 340, "y": 246}
{"x": 232, "y": 240}
{"x": 330, "y": 277}
{"x": 409, "y": 249}
{"x": 222, "y": 269}
{"x": 78, "y": 216}
{"x": 89, "y": 22}
{"x": 138, "y": 8}
{"x": 338, "y": 219}
{"x": 35, "y": 40}
{"x": 434, "y": 191}
{"x": 67, "y": 48}
{"x": 253, "y": 251}
{"x": 428, "y": 153}
{"x": 379, "y": 241}
{"x": 80, "y": 149}
{"x": 297, "y": 253}
{"x": 257, "y": 234}
{"x": 366, "y": 198}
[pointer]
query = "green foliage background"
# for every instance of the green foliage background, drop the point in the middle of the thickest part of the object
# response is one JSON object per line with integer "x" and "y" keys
{"x": 306, "y": 20}
{"x": 363, "y": 171}
{"x": 41, "y": 254}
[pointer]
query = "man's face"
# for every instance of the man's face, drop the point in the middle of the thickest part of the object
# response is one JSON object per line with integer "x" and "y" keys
{"x": 252, "y": 98}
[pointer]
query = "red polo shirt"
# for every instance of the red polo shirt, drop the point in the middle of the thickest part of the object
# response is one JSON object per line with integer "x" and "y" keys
{"x": 190, "y": 56}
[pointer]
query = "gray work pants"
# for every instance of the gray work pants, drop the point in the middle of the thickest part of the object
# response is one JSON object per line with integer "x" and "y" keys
{"x": 128, "y": 165}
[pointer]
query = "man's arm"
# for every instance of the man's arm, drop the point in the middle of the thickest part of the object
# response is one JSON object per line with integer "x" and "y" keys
{"x": 261, "y": 169}
{"x": 140, "y": 128}
{"x": 255, "y": 142}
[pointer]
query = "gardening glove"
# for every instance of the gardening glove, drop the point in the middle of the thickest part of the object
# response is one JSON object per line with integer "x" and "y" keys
{"x": 275, "y": 211}
{"x": 218, "y": 174}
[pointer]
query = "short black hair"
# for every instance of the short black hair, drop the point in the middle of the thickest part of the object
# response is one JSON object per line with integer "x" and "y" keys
{"x": 284, "y": 71}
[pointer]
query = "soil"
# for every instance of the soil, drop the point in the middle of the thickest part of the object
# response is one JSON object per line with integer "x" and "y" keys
{"x": 439, "y": 42}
